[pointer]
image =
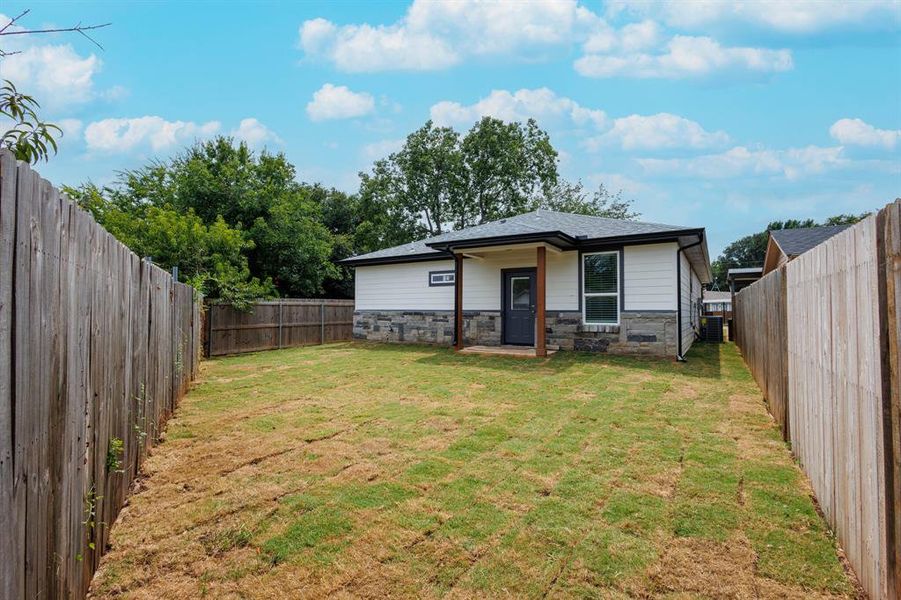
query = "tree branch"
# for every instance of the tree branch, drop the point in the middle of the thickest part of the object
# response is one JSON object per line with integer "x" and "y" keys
{"x": 78, "y": 28}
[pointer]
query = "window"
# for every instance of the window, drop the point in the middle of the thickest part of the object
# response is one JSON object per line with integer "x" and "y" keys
{"x": 600, "y": 288}
{"x": 441, "y": 278}
{"x": 520, "y": 293}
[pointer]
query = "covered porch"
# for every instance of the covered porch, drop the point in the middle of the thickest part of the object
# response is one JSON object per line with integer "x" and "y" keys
{"x": 521, "y": 292}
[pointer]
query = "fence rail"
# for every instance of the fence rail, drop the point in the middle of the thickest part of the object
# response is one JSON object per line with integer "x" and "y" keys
{"x": 277, "y": 324}
{"x": 96, "y": 348}
{"x": 821, "y": 337}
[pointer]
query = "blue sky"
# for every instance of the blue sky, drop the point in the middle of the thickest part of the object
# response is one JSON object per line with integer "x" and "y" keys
{"x": 719, "y": 114}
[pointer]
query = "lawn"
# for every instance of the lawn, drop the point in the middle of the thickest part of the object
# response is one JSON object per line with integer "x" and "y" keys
{"x": 400, "y": 471}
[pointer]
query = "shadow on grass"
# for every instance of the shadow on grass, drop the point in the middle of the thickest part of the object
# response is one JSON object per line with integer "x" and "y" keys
{"x": 703, "y": 360}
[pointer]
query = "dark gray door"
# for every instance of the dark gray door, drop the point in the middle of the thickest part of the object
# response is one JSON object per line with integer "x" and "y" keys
{"x": 519, "y": 307}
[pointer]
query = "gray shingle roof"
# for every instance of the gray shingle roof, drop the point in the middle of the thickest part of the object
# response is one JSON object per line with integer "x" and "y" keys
{"x": 798, "y": 241}
{"x": 536, "y": 222}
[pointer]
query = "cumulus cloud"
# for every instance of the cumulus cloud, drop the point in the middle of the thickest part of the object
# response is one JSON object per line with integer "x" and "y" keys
{"x": 122, "y": 135}
{"x": 541, "y": 104}
{"x": 856, "y": 132}
{"x": 254, "y": 133}
{"x": 663, "y": 130}
{"x": 56, "y": 74}
{"x": 339, "y": 102}
{"x": 739, "y": 161}
{"x": 437, "y": 35}
{"x": 797, "y": 16}
{"x": 685, "y": 56}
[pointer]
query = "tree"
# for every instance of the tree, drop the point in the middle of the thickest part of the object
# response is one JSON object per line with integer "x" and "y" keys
{"x": 507, "y": 168}
{"x": 256, "y": 194}
{"x": 750, "y": 250}
{"x": 28, "y": 137}
{"x": 439, "y": 181}
{"x": 210, "y": 257}
{"x": 572, "y": 198}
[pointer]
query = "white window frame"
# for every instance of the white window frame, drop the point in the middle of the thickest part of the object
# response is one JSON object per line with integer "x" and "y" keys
{"x": 585, "y": 294}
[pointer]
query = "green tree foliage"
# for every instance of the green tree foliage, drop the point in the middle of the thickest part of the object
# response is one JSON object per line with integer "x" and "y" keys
{"x": 440, "y": 181}
{"x": 572, "y": 198}
{"x": 210, "y": 257}
{"x": 29, "y": 138}
{"x": 750, "y": 250}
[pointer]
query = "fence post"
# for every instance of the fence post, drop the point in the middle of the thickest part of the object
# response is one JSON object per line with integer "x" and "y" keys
{"x": 888, "y": 248}
{"x": 322, "y": 323}
{"x": 280, "y": 305}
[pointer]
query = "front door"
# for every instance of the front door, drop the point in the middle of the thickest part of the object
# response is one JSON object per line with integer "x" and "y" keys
{"x": 519, "y": 307}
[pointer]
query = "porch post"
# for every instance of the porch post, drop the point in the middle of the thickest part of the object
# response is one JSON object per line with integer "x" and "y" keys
{"x": 540, "y": 347}
{"x": 458, "y": 301}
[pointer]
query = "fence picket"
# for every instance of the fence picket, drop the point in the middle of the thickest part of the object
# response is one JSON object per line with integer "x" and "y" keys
{"x": 75, "y": 325}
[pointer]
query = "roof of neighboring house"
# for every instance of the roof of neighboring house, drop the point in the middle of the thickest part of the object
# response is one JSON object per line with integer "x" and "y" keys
{"x": 731, "y": 273}
{"x": 565, "y": 230}
{"x": 794, "y": 242}
{"x": 710, "y": 296}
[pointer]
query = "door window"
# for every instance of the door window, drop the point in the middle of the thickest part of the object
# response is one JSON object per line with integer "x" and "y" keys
{"x": 520, "y": 293}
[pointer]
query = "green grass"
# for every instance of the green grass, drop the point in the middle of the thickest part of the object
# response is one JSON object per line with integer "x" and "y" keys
{"x": 370, "y": 471}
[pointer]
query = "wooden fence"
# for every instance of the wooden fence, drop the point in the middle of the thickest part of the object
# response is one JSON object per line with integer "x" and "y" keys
{"x": 96, "y": 348}
{"x": 277, "y": 324}
{"x": 821, "y": 336}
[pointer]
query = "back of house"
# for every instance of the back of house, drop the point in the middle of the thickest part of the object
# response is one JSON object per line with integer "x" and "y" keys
{"x": 544, "y": 279}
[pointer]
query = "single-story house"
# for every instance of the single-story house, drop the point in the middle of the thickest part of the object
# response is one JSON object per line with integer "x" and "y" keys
{"x": 717, "y": 303}
{"x": 784, "y": 245}
{"x": 545, "y": 280}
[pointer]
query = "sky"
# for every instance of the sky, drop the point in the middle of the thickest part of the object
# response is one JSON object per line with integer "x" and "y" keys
{"x": 718, "y": 114}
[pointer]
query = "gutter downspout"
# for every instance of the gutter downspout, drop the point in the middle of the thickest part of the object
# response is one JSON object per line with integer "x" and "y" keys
{"x": 456, "y": 304}
{"x": 700, "y": 241}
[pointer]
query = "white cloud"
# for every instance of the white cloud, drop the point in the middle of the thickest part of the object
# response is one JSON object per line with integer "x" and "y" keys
{"x": 658, "y": 131}
{"x": 122, "y": 135}
{"x": 437, "y": 35}
{"x": 859, "y": 133}
{"x": 256, "y": 134}
{"x": 791, "y": 163}
{"x": 795, "y": 16}
{"x": 685, "y": 56}
{"x": 56, "y": 75}
{"x": 381, "y": 149}
{"x": 71, "y": 129}
{"x": 541, "y": 104}
{"x": 338, "y": 102}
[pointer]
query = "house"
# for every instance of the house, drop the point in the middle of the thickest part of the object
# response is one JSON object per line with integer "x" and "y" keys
{"x": 741, "y": 277}
{"x": 717, "y": 303}
{"x": 784, "y": 245}
{"x": 542, "y": 280}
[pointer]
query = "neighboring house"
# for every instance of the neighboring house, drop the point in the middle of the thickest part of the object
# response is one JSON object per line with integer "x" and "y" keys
{"x": 717, "y": 303}
{"x": 786, "y": 244}
{"x": 543, "y": 279}
{"x": 741, "y": 277}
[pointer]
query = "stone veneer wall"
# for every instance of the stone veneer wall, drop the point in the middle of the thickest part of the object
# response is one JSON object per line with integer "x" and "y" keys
{"x": 651, "y": 333}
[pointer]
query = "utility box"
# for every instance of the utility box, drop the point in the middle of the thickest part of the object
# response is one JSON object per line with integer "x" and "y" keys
{"x": 712, "y": 329}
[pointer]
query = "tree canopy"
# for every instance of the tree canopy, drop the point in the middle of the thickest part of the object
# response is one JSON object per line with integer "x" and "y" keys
{"x": 750, "y": 250}
{"x": 239, "y": 225}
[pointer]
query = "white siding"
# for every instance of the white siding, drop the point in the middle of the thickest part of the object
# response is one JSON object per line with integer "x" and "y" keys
{"x": 403, "y": 286}
{"x": 650, "y": 277}
{"x": 482, "y": 279}
{"x": 690, "y": 296}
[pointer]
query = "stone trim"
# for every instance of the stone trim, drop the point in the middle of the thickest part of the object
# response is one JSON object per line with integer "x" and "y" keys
{"x": 651, "y": 333}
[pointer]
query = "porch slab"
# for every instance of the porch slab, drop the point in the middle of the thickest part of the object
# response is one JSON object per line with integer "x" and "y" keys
{"x": 506, "y": 350}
